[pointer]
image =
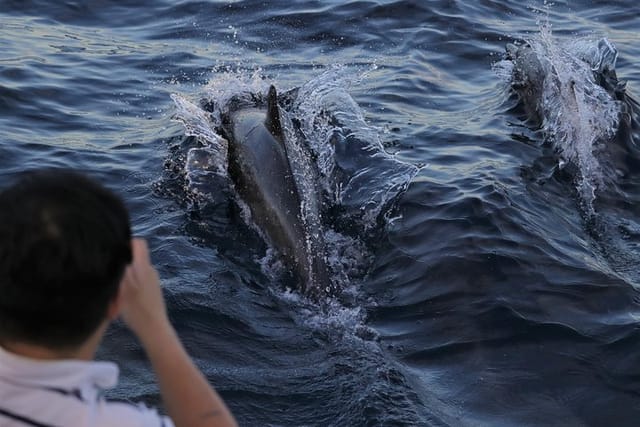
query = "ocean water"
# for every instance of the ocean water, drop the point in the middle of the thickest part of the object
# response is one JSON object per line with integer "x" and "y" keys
{"x": 487, "y": 262}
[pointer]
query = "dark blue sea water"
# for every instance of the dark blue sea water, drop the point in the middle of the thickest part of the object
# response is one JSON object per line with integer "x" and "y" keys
{"x": 488, "y": 265}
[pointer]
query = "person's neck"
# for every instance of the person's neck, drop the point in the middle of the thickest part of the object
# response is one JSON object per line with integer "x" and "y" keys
{"x": 85, "y": 351}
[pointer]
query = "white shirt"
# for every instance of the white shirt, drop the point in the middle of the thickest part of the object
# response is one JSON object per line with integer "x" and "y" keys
{"x": 65, "y": 393}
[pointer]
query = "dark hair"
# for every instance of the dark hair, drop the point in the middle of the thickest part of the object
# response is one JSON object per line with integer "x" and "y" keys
{"x": 65, "y": 241}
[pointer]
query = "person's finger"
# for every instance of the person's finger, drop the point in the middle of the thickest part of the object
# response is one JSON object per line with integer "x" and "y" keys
{"x": 140, "y": 249}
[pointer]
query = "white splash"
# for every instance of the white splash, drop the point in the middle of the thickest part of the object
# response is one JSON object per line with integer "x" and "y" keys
{"x": 579, "y": 116}
{"x": 329, "y": 116}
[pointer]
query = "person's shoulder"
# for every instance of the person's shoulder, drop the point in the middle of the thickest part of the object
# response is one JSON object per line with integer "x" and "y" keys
{"x": 128, "y": 415}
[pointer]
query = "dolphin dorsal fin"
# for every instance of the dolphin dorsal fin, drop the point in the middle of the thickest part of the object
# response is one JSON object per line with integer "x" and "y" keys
{"x": 272, "y": 122}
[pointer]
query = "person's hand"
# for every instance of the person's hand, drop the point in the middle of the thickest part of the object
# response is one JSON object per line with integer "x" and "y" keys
{"x": 189, "y": 398}
{"x": 142, "y": 303}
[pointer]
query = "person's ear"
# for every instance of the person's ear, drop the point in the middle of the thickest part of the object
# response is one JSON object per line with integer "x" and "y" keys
{"x": 113, "y": 310}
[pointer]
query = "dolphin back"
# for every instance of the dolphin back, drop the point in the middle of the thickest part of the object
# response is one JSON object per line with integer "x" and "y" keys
{"x": 259, "y": 166}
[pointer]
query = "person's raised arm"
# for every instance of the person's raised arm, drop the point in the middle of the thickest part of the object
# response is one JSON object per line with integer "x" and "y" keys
{"x": 189, "y": 399}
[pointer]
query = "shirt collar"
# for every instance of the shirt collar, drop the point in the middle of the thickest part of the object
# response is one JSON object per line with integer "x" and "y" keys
{"x": 66, "y": 374}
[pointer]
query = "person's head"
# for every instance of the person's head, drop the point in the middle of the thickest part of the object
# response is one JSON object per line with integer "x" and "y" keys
{"x": 65, "y": 241}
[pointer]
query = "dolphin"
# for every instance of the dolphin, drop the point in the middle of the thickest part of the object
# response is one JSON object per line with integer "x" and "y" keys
{"x": 530, "y": 74}
{"x": 576, "y": 97}
{"x": 260, "y": 169}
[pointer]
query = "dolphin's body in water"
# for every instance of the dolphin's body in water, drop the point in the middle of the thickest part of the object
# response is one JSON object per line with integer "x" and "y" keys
{"x": 573, "y": 94}
{"x": 533, "y": 72}
{"x": 260, "y": 169}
